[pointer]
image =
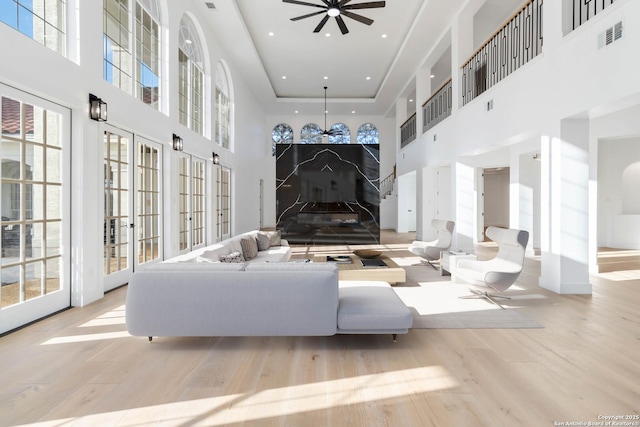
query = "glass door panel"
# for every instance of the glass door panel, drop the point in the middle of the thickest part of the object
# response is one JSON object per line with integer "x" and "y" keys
{"x": 118, "y": 251}
{"x": 148, "y": 202}
{"x": 34, "y": 196}
{"x": 223, "y": 202}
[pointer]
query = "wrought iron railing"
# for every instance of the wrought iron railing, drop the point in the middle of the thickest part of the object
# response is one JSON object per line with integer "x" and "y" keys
{"x": 583, "y": 10}
{"x": 386, "y": 185}
{"x": 408, "y": 131}
{"x": 438, "y": 107}
{"x": 517, "y": 42}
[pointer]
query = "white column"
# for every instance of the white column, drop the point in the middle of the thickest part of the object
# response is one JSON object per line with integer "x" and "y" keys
{"x": 466, "y": 206}
{"x": 565, "y": 209}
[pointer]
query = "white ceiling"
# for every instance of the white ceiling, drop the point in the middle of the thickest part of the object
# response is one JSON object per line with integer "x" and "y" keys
{"x": 413, "y": 28}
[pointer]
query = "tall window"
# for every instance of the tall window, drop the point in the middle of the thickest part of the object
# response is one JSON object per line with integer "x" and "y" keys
{"x": 281, "y": 134}
{"x": 367, "y": 134}
{"x": 223, "y": 115}
{"x": 311, "y": 134}
{"x": 42, "y": 20}
{"x": 342, "y": 134}
{"x": 119, "y": 48}
{"x": 116, "y": 44}
{"x": 190, "y": 77}
{"x": 148, "y": 53}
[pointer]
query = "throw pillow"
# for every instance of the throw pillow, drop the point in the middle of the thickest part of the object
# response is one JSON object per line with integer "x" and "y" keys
{"x": 276, "y": 238}
{"x": 249, "y": 247}
{"x": 232, "y": 257}
{"x": 263, "y": 240}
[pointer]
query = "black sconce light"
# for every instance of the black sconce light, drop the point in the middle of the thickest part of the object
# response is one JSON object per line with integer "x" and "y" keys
{"x": 176, "y": 143}
{"x": 216, "y": 159}
{"x": 97, "y": 108}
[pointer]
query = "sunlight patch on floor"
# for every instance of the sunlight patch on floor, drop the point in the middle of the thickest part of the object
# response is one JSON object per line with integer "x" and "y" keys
{"x": 276, "y": 402}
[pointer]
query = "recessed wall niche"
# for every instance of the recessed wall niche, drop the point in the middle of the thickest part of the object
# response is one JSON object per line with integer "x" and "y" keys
{"x": 328, "y": 193}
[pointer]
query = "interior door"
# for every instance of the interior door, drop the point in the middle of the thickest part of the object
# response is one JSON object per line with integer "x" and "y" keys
{"x": 118, "y": 255}
{"x": 35, "y": 199}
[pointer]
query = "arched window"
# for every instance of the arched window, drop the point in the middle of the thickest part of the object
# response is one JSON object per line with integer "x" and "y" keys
{"x": 342, "y": 136}
{"x": 368, "y": 134}
{"x": 311, "y": 134}
{"x": 43, "y": 21}
{"x": 281, "y": 134}
{"x": 223, "y": 110}
{"x": 191, "y": 74}
{"x": 142, "y": 79}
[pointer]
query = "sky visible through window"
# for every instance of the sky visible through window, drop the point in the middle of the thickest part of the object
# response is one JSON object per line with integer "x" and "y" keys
{"x": 18, "y": 15}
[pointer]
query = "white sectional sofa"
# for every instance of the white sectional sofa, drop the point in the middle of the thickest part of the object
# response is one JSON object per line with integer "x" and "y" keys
{"x": 187, "y": 297}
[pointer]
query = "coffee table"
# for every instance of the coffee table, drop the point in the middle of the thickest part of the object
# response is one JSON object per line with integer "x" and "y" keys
{"x": 391, "y": 274}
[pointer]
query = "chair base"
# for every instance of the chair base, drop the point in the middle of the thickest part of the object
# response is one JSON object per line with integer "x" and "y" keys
{"x": 427, "y": 262}
{"x": 485, "y": 295}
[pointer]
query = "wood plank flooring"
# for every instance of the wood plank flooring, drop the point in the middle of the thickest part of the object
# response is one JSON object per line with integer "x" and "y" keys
{"x": 80, "y": 367}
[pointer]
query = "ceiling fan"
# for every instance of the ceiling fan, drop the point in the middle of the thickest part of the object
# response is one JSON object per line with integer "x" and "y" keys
{"x": 328, "y": 132}
{"x": 335, "y": 9}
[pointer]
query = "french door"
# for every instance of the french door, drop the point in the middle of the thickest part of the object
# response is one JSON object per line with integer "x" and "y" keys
{"x": 148, "y": 187}
{"x": 132, "y": 205}
{"x": 118, "y": 253}
{"x": 191, "y": 181}
{"x": 223, "y": 202}
{"x": 35, "y": 204}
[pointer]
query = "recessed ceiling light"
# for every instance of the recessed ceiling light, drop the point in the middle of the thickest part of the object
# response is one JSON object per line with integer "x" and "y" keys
{"x": 368, "y": 78}
{"x": 187, "y": 41}
{"x": 296, "y": 112}
{"x": 384, "y": 36}
{"x": 411, "y": 100}
{"x": 327, "y": 35}
{"x": 271, "y": 33}
{"x": 326, "y": 77}
{"x": 353, "y": 112}
{"x": 284, "y": 77}
{"x": 432, "y": 76}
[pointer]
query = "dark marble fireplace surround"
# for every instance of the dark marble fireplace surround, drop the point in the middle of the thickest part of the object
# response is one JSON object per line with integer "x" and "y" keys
{"x": 328, "y": 193}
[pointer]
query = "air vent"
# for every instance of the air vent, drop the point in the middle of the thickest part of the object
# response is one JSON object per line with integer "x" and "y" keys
{"x": 610, "y": 35}
{"x": 210, "y": 5}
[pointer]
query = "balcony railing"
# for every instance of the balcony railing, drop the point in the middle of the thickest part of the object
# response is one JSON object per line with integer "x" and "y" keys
{"x": 408, "y": 131}
{"x": 517, "y": 42}
{"x": 583, "y": 10}
{"x": 386, "y": 185}
{"x": 438, "y": 107}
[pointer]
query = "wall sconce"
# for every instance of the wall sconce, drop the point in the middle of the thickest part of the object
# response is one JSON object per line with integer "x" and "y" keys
{"x": 216, "y": 159}
{"x": 176, "y": 143}
{"x": 97, "y": 108}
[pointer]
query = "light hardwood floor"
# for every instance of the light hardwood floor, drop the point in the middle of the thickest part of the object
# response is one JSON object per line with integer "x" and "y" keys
{"x": 80, "y": 367}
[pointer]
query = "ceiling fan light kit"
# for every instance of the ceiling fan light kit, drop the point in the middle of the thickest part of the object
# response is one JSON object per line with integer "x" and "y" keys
{"x": 336, "y": 9}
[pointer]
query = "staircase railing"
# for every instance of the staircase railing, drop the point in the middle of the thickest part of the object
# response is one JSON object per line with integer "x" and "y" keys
{"x": 386, "y": 185}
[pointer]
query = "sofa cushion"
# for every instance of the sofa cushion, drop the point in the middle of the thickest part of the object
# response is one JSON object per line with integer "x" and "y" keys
{"x": 371, "y": 307}
{"x": 249, "y": 248}
{"x": 263, "y": 240}
{"x": 233, "y": 257}
{"x": 291, "y": 266}
{"x": 183, "y": 266}
{"x": 275, "y": 237}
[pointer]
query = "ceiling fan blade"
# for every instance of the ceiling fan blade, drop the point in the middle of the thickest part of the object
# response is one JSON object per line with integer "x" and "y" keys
{"x": 304, "y": 3}
{"x": 297, "y": 18}
{"x": 321, "y": 24}
{"x": 343, "y": 2}
{"x": 341, "y": 24}
{"x": 368, "y": 5}
{"x": 357, "y": 17}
